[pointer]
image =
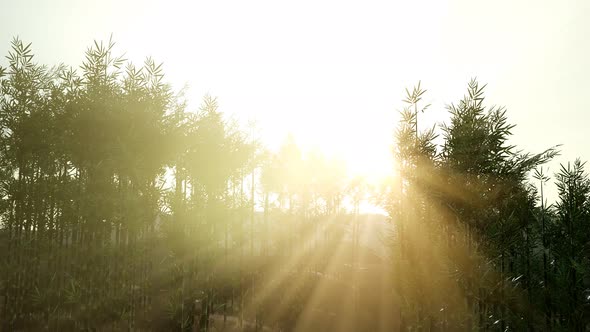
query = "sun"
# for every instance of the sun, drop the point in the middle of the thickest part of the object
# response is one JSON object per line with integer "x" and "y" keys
{"x": 370, "y": 163}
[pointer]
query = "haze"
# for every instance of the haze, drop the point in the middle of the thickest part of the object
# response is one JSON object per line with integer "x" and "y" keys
{"x": 333, "y": 73}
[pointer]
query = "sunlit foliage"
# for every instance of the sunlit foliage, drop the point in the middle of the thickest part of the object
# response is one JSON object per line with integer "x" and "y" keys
{"x": 472, "y": 248}
{"x": 123, "y": 210}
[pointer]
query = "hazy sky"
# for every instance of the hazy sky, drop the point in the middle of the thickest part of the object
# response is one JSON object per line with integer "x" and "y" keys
{"x": 333, "y": 72}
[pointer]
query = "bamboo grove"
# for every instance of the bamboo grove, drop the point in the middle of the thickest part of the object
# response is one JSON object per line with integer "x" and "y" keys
{"x": 124, "y": 210}
{"x": 478, "y": 247}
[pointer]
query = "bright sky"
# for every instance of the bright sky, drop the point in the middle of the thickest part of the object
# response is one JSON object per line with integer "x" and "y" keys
{"x": 333, "y": 72}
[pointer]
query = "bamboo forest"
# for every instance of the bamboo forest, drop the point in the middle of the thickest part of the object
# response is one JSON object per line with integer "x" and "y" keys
{"x": 127, "y": 206}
